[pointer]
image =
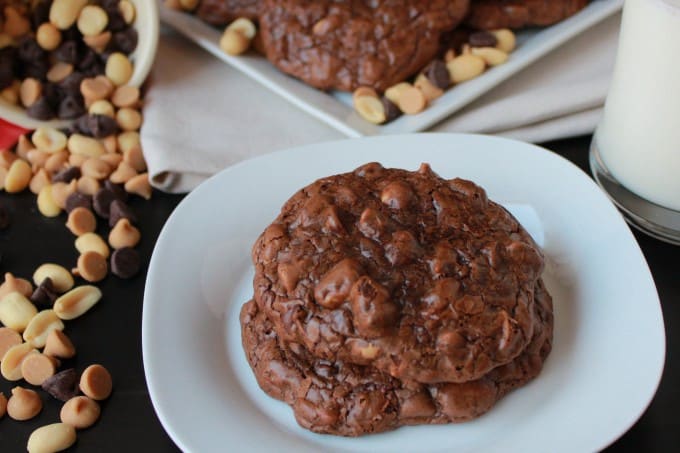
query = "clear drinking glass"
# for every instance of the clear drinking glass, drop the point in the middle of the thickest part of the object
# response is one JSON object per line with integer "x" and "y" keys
{"x": 635, "y": 153}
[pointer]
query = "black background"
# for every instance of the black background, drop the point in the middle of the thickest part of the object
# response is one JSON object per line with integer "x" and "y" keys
{"x": 110, "y": 334}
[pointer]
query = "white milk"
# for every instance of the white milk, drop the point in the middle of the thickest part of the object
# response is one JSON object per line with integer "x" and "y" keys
{"x": 639, "y": 136}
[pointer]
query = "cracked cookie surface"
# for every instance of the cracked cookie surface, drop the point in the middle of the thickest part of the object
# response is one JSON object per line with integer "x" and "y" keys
{"x": 493, "y": 14}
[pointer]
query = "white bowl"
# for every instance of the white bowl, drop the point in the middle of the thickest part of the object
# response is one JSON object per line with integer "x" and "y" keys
{"x": 147, "y": 26}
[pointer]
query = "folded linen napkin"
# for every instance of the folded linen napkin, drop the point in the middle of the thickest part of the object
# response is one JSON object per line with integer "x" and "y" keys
{"x": 202, "y": 116}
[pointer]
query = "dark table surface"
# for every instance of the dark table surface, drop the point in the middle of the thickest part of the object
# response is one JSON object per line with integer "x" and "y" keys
{"x": 110, "y": 334}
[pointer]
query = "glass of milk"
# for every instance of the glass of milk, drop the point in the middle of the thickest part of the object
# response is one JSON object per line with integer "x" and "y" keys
{"x": 635, "y": 155}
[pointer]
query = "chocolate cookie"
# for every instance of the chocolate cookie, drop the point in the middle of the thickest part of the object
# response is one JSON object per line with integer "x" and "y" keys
{"x": 492, "y": 14}
{"x": 344, "y": 45}
{"x": 420, "y": 277}
{"x": 351, "y": 400}
{"x": 221, "y": 12}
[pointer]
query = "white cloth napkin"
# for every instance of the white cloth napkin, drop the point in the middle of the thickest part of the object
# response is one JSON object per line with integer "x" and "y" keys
{"x": 202, "y": 116}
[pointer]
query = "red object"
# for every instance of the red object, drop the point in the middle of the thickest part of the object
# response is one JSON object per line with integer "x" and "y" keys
{"x": 9, "y": 134}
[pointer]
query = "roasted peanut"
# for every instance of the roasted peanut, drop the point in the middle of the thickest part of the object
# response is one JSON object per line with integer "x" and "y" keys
{"x": 87, "y": 185}
{"x": 465, "y": 67}
{"x": 40, "y": 327}
{"x": 506, "y": 40}
{"x": 51, "y": 438}
{"x": 48, "y": 36}
{"x": 430, "y": 91}
{"x": 61, "y": 191}
{"x": 244, "y": 26}
{"x": 412, "y": 100}
{"x": 92, "y": 242}
{"x": 29, "y": 91}
{"x": 24, "y": 404}
{"x": 86, "y": 146}
{"x": 96, "y": 88}
{"x": 61, "y": 278}
{"x": 48, "y": 139}
{"x": 129, "y": 119}
{"x": 394, "y": 92}
{"x": 16, "y": 311}
{"x": 46, "y": 204}
{"x": 77, "y": 301}
{"x": 56, "y": 161}
{"x": 125, "y": 96}
{"x": 10, "y": 367}
{"x": 118, "y": 68}
{"x": 491, "y": 55}
{"x": 59, "y": 71}
{"x": 96, "y": 168}
{"x": 370, "y": 108}
{"x": 127, "y": 10}
{"x": 64, "y": 13}
{"x": 101, "y": 107}
{"x": 18, "y": 176}
{"x": 234, "y": 42}
{"x": 92, "y": 20}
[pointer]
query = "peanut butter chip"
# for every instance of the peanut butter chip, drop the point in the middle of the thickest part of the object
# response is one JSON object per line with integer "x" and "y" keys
{"x": 412, "y": 101}
{"x": 92, "y": 266}
{"x": 8, "y": 338}
{"x": 124, "y": 234}
{"x": 59, "y": 345}
{"x": 36, "y": 368}
{"x": 81, "y": 221}
{"x": 96, "y": 383}
{"x": 125, "y": 96}
{"x": 80, "y": 412}
{"x": 24, "y": 404}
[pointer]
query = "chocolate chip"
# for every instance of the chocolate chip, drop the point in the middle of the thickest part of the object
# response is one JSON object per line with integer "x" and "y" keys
{"x": 437, "y": 73}
{"x": 71, "y": 84}
{"x": 40, "y": 13}
{"x": 53, "y": 93}
{"x": 482, "y": 39}
{"x": 63, "y": 385}
{"x": 124, "y": 41}
{"x": 78, "y": 200}
{"x": 391, "y": 110}
{"x": 116, "y": 20}
{"x": 120, "y": 210}
{"x": 29, "y": 50}
{"x": 71, "y": 107}
{"x": 67, "y": 52}
{"x": 36, "y": 69}
{"x": 44, "y": 295}
{"x": 98, "y": 126}
{"x": 102, "y": 202}
{"x": 66, "y": 175}
{"x": 4, "y": 217}
{"x": 125, "y": 262}
{"x": 87, "y": 59}
{"x": 117, "y": 189}
{"x": 7, "y": 66}
{"x": 41, "y": 110}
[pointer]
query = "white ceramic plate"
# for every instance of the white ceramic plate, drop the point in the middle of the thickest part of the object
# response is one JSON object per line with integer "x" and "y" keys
{"x": 609, "y": 336}
{"x": 336, "y": 109}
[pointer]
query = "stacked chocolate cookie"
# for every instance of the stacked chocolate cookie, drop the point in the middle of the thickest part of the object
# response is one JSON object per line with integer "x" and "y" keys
{"x": 384, "y": 298}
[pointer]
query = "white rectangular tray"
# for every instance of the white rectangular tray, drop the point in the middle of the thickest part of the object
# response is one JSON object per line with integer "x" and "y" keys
{"x": 335, "y": 108}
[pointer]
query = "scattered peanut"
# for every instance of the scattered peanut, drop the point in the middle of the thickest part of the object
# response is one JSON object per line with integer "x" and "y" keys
{"x": 92, "y": 266}
{"x": 127, "y": 9}
{"x": 48, "y": 36}
{"x": 61, "y": 191}
{"x": 10, "y": 367}
{"x": 24, "y": 404}
{"x": 118, "y": 68}
{"x": 40, "y": 327}
{"x": 394, "y": 92}
{"x": 244, "y": 26}
{"x": 465, "y": 67}
{"x": 96, "y": 88}
{"x": 56, "y": 161}
{"x": 16, "y": 311}
{"x": 30, "y": 91}
{"x": 234, "y": 42}
{"x": 95, "y": 168}
{"x": 48, "y": 139}
{"x": 129, "y": 119}
{"x": 61, "y": 278}
{"x": 86, "y": 146}
{"x": 64, "y": 13}
{"x": 80, "y": 412}
{"x": 125, "y": 96}
{"x": 81, "y": 221}
{"x": 96, "y": 383}
{"x": 92, "y": 242}
{"x": 59, "y": 71}
{"x": 51, "y": 438}
{"x": 135, "y": 158}
{"x": 18, "y": 176}
{"x": 88, "y": 185}
{"x": 77, "y": 301}
{"x": 370, "y": 108}
{"x": 59, "y": 345}
{"x": 46, "y": 204}
{"x": 506, "y": 40}
{"x": 412, "y": 101}
{"x": 37, "y": 368}
{"x": 491, "y": 55}
{"x": 92, "y": 20}
{"x": 430, "y": 91}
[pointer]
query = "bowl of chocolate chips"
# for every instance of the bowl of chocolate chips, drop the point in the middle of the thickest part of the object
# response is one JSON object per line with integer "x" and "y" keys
{"x": 62, "y": 60}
